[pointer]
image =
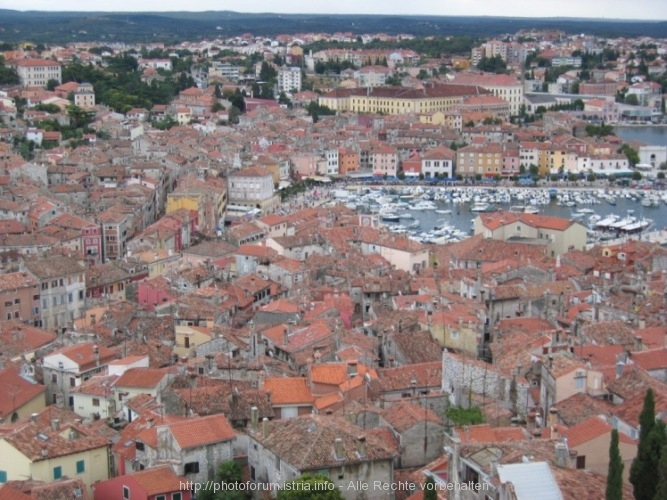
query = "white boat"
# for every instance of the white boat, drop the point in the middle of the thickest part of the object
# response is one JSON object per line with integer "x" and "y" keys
{"x": 423, "y": 205}
{"x": 480, "y": 207}
{"x": 531, "y": 209}
{"x": 444, "y": 212}
{"x": 390, "y": 217}
{"x": 606, "y": 222}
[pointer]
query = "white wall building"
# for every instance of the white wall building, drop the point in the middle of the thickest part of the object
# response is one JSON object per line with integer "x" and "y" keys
{"x": 289, "y": 80}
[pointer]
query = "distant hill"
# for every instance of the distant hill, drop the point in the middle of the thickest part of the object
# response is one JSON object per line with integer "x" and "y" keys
{"x": 63, "y": 27}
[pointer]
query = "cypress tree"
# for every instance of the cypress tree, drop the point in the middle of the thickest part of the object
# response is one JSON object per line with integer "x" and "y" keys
{"x": 640, "y": 471}
{"x": 648, "y": 457}
{"x": 661, "y": 490}
{"x": 430, "y": 492}
{"x": 615, "y": 473}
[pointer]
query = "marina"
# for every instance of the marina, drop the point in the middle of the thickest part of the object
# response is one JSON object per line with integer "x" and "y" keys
{"x": 435, "y": 214}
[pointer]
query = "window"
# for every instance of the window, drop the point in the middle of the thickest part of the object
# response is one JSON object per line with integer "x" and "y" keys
{"x": 126, "y": 493}
{"x": 579, "y": 382}
{"x": 96, "y": 402}
{"x": 80, "y": 467}
{"x": 3, "y": 476}
{"x": 54, "y": 378}
{"x": 57, "y": 472}
{"x": 176, "y": 496}
{"x": 139, "y": 445}
{"x": 72, "y": 382}
{"x": 191, "y": 468}
{"x": 161, "y": 497}
{"x": 581, "y": 462}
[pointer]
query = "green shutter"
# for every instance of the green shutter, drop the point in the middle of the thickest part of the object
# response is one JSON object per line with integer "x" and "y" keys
{"x": 57, "y": 472}
{"x": 3, "y": 476}
{"x": 80, "y": 467}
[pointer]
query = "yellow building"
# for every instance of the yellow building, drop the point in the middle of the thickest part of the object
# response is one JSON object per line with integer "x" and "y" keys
{"x": 188, "y": 338}
{"x": 43, "y": 452}
{"x": 485, "y": 160}
{"x": 399, "y": 100}
{"x": 159, "y": 261}
{"x": 207, "y": 198}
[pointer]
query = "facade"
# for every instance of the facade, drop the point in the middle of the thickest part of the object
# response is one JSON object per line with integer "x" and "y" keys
{"x": 62, "y": 286}
{"x": 558, "y": 236}
{"x": 253, "y": 188}
{"x": 37, "y": 72}
{"x": 485, "y": 160}
{"x": 19, "y": 297}
{"x": 114, "y": 234}
{"x": 438, "y": 162}
{"x": 289, "y": 80}
{"x": 68, "y": 367}
{"x": 399, "y": 100}
{"x": 506, "y": 87}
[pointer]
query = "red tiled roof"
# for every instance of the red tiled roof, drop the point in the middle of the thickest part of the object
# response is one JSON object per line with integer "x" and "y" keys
{"x": 84, "y": 356}
{"x": 17, "y": 391}
{"x": 655, "y": 359}
{"x": 196, "y": 432}
{"x": 289, "y": 391}
{"x": 590, "y": 429}
{"x": 158, "y": 480}
{"x": 141, "y": 378}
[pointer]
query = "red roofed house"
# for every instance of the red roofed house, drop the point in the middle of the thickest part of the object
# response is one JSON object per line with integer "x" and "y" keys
{"x": 419, "y": 432}
{"x": 70, "y": 366}
{"x": 290, "y": 396}
{"x": 159, "y": 483}
{"x": 590, "y": 440}
{"x": 193, "y": 447}
{"x": 22, "y": 398}
{"x": 556, "y": 234}
{"x": 151, "y": 381}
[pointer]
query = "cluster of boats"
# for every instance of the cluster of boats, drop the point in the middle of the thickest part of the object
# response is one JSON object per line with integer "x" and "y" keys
{"x": 614, "y": 225}
{"x": 408, "y": 210}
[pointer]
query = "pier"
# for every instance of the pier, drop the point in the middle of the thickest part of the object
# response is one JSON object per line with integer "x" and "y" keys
{"x": 659, "y": 237}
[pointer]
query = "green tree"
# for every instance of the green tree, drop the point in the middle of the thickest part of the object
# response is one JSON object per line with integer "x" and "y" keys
{"x": 229, "y": 473}
{"x": 642, "y": 470}
{"x": 423, "y": 74}
{"x": 309, "y": 487}
{"x": 661, "y": 489}
{"x": 630, "y": 153}
{"x": 459, "y": 416}
{"x": 8, "y": 76}
{"x": 430, "y": 489}
{"x": 636, "y": 175}
{"x": 632, "y": 99}
{"x": 79, "y": 117}
{"x": 217, "y": 92}
{"x": 52, "y": 84}
{"x": 614, "y": 489}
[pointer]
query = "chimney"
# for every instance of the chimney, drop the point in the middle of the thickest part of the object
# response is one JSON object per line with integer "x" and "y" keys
{"x": 562, "y": 455}
{"x": 45, "y": 452}
{"x": 93, "y": 319}
{"x": 286, "y": 333}
{"x": 553, "y": 422}
{"x": 338, "y": 449}
{"x": 352, "y": 368}
{"x": 34, "y": 417}
{"x": 235, "y": 396}
{"x": 151, "y": 422}
{"x": 254, "y": 419}
{"x": 209, "y": 362}
{"x": 573, "y": 459}
{"x": 55, "y": 424}
{"x": 639, "y": 344}
{"x": 265, "y": 427}
{"x": 361, "y": 446}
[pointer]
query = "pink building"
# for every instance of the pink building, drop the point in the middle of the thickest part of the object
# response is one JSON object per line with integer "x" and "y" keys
{"x": 158, "y": 483}
{"x": 384, "y": 161}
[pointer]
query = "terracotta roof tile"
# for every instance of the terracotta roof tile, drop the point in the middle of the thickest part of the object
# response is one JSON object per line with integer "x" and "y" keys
{"x": 141, "y": 378}
{"x": 289, "y": 391}
{"x": 197, "y": 432}
{"x": 158, "y": 480}
{"x": 590, "y": 429}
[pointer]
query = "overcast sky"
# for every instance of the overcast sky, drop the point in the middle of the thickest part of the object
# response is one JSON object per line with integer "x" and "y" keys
{"x": 611, "y": 9}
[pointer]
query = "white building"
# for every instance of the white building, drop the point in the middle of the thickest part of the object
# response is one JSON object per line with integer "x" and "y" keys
{"x": 63, "y": 287}
{"x": 653, "y": 155}
{"x": 37, "y": 72}
{"x": 164, "y": 64}
{"x": 332, "y": 161}
{"x": 289, "y": 80}
{"x": 253, "y": 187}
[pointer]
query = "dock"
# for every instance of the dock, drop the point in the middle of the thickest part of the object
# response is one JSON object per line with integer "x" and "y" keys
{"x": 659, "y": 237}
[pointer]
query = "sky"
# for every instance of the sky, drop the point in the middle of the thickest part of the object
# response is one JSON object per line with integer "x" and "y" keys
{"x": 610, "y": 9}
